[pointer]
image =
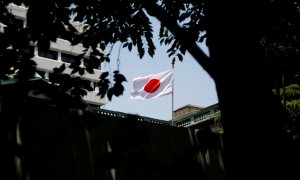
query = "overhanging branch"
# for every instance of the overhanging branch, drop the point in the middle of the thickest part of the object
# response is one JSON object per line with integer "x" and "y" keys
{"x": 181, "y": 35}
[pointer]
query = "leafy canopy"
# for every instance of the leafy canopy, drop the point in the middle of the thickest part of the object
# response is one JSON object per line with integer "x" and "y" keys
{"x": 106, "y": 22}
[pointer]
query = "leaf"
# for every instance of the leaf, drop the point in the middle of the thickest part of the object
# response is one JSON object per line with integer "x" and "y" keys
{"x": 119, "y": 78}
{"x": 173, "y": 60}
{"x": 107, "y": 59}
{"x": 81, "y": 71}
{"x": 82, "y": 92}
{"x": 104, "y": 75}
{"x": 161, "y": 41}
{"x": 140, "y": 48}
{"x": 109, "y": 94}
{"x": 102, "y": 46}
{"x": 125, "y": 45}
{"x": 88, "y": 86}
{"x": 180, "y": 57}
{"x": 130, "y": 46}
{"x": 141, "y": 53}
{"x": 169, "y": 50}
{"x": 74, "y": 65}
{"x": 103, "y": 87}
{"x": 183, "y": 16}
{"x": 90, "y": 69}
{"x": 85, "y": 27}
{"x": 77, "y": 61}
{"x": 76, "y": 39}
{"x": 169, "y": 40}
{"x": 75, "y": 70}
{"x": 118, "y": 89}
{"x": 151, "y": 51}
{"x": 161, "y": 31}
{"x": 172, "y": 53}
{"x": 43, "y": 44}
{"x": 60, "y": 69}
{"x": 182, "y": 50}
{"x": 201, "y": 39}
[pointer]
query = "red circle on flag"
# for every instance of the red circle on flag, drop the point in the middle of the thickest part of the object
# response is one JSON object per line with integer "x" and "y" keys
{"x": 152, "y": 86}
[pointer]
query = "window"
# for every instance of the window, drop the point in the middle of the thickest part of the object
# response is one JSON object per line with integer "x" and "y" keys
{"x": 48, "y": 54}
{"x": 67, "y": 58}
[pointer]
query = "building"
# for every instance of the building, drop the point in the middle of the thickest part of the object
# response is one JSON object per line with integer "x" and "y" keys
{"x": 185, "y": 110}
{"x": 60, "y": 52}
{"x": 122, "y": 115}
{"x": 197, "y": 117}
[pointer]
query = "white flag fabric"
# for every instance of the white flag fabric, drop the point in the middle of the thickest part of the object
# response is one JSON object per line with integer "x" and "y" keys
{"x": 153, "y": 85}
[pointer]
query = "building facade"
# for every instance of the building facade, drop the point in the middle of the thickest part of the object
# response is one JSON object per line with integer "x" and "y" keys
{"x": 59, "y": 52}
{"x": 198, "y": 117}
{"x": 188, "y": 116}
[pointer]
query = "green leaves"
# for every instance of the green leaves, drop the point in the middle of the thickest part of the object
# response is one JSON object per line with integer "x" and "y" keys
{"x": 117, "y": 89}
{"x": 104, "y": 75}
{"x": 60, "y": 69}
{"x": 119, "y": 78}
{"x": 103, "y": 85}
{"x": 291, "y": 91}
{"x": 176, "y": 51}
{"x": 128, "y": 45}
{"x": 105, "y": 23}
{"x": 140, "y": 48}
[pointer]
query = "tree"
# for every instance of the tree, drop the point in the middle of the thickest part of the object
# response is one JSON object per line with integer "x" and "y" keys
{"x": 291, "y": 102}
{"x": 239, "y": 36}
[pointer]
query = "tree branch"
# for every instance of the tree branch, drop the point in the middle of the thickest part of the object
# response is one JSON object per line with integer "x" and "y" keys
{"x": 181, "y": 35}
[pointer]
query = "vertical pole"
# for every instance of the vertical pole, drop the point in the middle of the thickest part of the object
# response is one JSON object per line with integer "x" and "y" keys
{"x": 173, "y": 95}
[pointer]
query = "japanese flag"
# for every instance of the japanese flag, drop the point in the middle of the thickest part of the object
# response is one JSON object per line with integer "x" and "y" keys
{"x": 153, "y": 85}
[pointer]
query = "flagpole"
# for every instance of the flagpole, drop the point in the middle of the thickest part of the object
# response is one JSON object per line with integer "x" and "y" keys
{"x": 173, "y": 95}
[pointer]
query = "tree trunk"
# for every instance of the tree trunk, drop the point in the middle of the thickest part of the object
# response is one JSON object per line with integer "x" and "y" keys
{"x": 254, "y": 141}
